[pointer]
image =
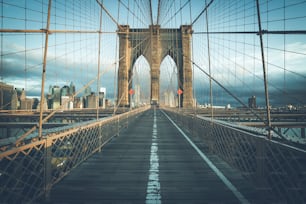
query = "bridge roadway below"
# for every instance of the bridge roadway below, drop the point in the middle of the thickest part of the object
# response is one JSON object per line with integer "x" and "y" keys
{"x": 152, "y": 162}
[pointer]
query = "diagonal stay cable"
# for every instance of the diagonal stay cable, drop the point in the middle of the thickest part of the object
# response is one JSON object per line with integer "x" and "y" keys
{"x": 129, "y": 10}
{"x": 107, "y": 12}
{"x": 236, "y": 98}
{"x": 141, "y": 9}
{"x": 206, "y": 7}
{"x": 167, "y": 8}
{"x": 181, "y": 8}
{"x": 55, "y": 111}
{"x": 233, "y": 95}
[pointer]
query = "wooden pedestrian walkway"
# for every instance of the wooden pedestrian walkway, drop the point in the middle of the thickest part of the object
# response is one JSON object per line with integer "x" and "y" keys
{"x": 152, "y": 162}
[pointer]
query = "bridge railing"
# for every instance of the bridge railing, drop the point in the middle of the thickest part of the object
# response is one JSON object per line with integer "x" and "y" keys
{"x": 28, "y": 172}
{"x": 278, "y": 171}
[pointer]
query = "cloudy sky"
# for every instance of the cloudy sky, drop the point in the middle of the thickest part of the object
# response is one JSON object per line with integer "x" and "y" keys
{"x": 234, "y": 60}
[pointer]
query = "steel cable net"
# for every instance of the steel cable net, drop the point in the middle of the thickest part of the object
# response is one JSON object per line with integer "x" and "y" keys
{"x": 22, "y": 174}
{"x": 231, "y": 29}
{"x": 276, "y": 170}
{"x": 29, "y": 171}
{"x": 22, "y": 52}
{"x": 232, "y": 32}
{"x": 228, "y": 39}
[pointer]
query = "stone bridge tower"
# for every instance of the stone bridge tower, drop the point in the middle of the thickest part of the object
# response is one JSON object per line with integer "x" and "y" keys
{"x": 155, "y": 44}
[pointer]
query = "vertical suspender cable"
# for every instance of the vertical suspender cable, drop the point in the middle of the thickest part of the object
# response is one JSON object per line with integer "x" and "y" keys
{"x": 158, "y": 12}
{"x": 190, "y": 12}
{"x": 43, "y": 77}
{"x": 151, "y": 12}
{"x": 179, "y": 66}
{"x": 99, "y": 59}
{"x": 209, "y": 65}
{"x": 116, "y": 61}
{"x": 264, "y": 71}
{"x": 192, "y": 48}
{"x": 1, "y": 52}
{"x": 284, "y": 7}
{"x": 127, "y": 13}
{"x": 181, "y": 15}
{"x": 25, "y": 45}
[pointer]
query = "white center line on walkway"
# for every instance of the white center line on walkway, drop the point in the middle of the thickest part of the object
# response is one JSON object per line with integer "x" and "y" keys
{"x": 229, "y": 185}
{"x": 153, "y": 186}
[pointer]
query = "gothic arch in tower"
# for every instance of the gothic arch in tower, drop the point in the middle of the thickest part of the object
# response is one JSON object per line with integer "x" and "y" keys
{"x": 155, "y": 44}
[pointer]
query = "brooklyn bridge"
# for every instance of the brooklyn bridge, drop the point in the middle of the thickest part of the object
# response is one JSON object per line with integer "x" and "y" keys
{"x": 150, "y": 101}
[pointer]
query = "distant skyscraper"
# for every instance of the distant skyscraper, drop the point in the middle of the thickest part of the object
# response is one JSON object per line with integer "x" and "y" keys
{"x": 78, "y": 103}
{"x": 87, "y": 91}
{"x": 103, "y": 92}
{"x": 50, "y": 90}
{"x": 45, "y": 105}
{"x": 62, "y": 97}
{"x": 72, "y": 89}
{"x": 91, "y": 101}
{"x": 14, "y": 100}
{"x": 65, "y": 97}
{"x": 22, "y": 95}
{"x": 5, "y": 96}
{"x": 65, "y": 102}
{"x": 169, "y": 98}
{"x": 56, "y": 97}
{"x": 252, "y": 102}
{"x": 26, "y": 104}
{"x": 137, "y": 95}
{"x": 65, "y": 91}
{"x": 102, "y": 96}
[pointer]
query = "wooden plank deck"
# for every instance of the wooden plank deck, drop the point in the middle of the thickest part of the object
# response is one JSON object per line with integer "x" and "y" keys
{"x": 150, "y": 162}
